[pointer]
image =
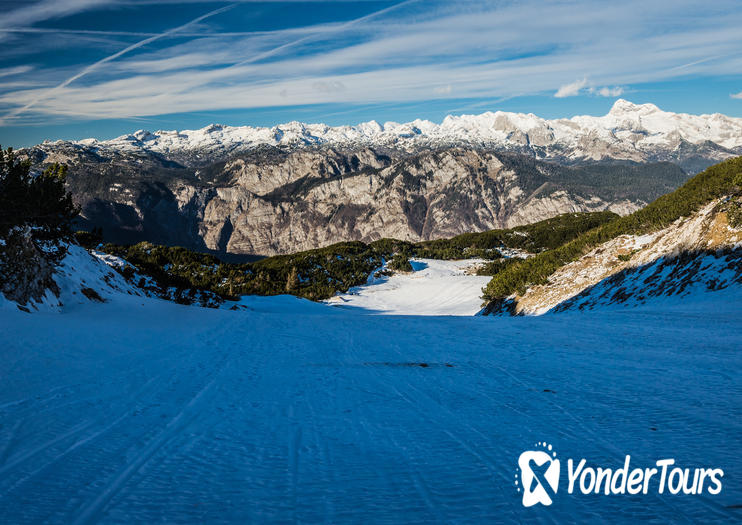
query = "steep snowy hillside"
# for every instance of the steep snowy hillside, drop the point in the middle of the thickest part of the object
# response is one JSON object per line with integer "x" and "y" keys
{"x": 83, "y": 277}
{"x": 694, "y": 256}
{"x": 687, "y": 229}
{"x": 629, "y": 131}
{"x": 704, "y": 278}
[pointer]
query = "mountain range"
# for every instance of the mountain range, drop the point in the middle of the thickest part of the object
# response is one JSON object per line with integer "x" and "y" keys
{"x": 638, "y": 132}
{"x": 264, "y": 191}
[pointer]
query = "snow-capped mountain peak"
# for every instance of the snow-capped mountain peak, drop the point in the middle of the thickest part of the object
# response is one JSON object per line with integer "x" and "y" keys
{"x": 629, "y": 131}
{"x": 623, "y": 107}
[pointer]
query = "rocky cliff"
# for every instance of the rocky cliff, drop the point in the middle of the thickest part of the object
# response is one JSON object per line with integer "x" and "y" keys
{"x": 273, "y": 200}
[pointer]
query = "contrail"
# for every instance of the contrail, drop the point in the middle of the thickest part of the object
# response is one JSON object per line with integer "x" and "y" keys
{"x": 341, "y": 27}
{"x": 57, "y": 31}
{"x": 146, "y": 41}
{"x": 689, "y": 64}
{"x": 53, "y": 31}
{"x": 132, "y": 47}
{"x": 311, "y": 36}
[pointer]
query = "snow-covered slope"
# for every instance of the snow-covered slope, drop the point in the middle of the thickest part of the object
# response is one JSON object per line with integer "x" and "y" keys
{"x": 434, "y": 288}
{"x": 694, "y": 257}
{"x": 160, "y": 413}
{"x": 276, "y": 409}
{"x": 83, "y": 276}
{"x": 703, "y": 279}
{"x": 628, "y": 131}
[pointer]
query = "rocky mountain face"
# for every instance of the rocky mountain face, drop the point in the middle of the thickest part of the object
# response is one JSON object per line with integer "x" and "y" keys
{"x": 298, "y": 186}
{"x": 270, "y": 200}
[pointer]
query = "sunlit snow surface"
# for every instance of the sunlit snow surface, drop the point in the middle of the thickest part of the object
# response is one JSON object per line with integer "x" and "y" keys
{"x": 434, "y": 288}
{"x": 142, "y": 411}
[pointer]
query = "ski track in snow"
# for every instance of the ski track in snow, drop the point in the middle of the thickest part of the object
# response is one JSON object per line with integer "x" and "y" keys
{"x": 146, "y": 411}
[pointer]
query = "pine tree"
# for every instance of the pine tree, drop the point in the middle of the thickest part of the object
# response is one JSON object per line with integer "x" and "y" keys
{"x": 41, "y": 201}
{"x": 292, "y": 283}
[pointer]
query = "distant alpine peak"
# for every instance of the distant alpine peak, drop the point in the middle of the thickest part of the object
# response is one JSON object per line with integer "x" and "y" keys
{"x": 629, "y": 131}
{"x": 623, "y": 107}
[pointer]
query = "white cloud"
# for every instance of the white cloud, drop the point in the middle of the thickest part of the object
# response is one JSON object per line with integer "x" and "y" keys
{"x": 572, "y": 89}
{"x": 109, "y": 58}
{"x": 615, "y": 91}
{"x": 736, "y": 95}
{"x": 391, "y": 57}
{"x": 18, "y": 70}
{"x": 46, "y": 9}
{"x": 328, "y": 86}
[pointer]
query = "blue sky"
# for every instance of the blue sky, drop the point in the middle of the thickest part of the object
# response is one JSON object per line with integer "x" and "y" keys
{"x": 81, "y": 68}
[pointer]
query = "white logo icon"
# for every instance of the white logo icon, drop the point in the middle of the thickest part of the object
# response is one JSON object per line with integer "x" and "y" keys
{"x": 539, "y": 475}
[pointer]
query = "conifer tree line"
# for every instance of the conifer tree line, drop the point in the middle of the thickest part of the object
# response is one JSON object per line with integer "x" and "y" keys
{"x": 39, "y": 201}
{"x": 320, "y": 273}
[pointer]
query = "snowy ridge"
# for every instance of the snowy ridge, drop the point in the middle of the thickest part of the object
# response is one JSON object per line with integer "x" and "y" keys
{"x": 688, "y": 260}
{"x": 83, "y": 277}
{"x": 628, "y": 131}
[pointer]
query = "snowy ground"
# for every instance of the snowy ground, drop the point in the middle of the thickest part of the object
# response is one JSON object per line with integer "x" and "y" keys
{"x": 139, "y": 410}
{"x": 434, "y": 288}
